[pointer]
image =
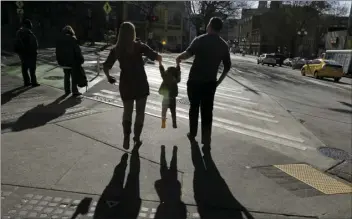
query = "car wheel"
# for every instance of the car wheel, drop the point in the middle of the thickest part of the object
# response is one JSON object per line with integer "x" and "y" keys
{"x": 337, "y": 79}
{"x": 303, "y": 72}
{"x": 316, "y": 75}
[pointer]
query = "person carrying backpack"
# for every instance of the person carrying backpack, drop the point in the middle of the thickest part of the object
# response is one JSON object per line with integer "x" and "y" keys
{"x": 26, "y": 46}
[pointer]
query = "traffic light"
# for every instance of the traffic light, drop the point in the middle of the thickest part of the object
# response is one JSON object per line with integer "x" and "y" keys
{"x": 153, "y": 18}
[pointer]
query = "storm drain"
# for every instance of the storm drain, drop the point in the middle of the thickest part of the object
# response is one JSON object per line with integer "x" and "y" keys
{"x": 184, "y": 100}
{"x": 335, "y": 153}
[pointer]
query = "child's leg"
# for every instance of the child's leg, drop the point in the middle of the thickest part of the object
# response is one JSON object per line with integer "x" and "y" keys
{"x": 164, "y": 107}
{"x": 172, "y": 106}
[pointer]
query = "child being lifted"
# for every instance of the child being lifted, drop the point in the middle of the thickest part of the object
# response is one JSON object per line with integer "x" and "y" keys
{"x": 169, "y": 90}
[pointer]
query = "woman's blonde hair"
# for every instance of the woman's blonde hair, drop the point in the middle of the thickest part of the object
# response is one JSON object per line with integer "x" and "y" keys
{"x": 126, "y": 37}
{"x": 68, "y": 30}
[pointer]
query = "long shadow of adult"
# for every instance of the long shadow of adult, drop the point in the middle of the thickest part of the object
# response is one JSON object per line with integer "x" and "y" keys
{"x": 9, "y": 95}
{"x": 212, "y": 195}
{"x": 169, "y": 189}
{"x": 118, "y": 202}
{"x": 42, "y": 114}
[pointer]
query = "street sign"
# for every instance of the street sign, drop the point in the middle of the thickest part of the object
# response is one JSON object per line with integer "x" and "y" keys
{"x": 19, "y": 4}
{"x": 107, "y": 8}
{"x": 20, "y": 11}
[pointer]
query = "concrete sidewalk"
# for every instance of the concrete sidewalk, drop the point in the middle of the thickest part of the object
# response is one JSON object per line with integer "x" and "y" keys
{"x": 75, "y": 151}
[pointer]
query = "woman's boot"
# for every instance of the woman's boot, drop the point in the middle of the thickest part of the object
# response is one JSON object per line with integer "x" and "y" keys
{"x": 126, "y": 134}
{"x": 137, "y": 134}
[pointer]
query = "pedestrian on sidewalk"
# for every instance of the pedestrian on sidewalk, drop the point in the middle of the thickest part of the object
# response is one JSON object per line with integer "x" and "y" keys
{"x": 169, "y": 90}
{"x": 69, "y": 56}
{"x": 209, "y": 50}
{"x": 26, "y": 46}
{"x": 133, "y": 83}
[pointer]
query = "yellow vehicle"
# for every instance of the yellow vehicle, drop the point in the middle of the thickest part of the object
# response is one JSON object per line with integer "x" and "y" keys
{"x": 323, "y": 68}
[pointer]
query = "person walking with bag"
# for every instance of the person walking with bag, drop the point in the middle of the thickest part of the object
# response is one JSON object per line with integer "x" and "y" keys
{"x": 133, "y": 83}
{"x": 209, "y": 50}
{"x": 69, "y": 56}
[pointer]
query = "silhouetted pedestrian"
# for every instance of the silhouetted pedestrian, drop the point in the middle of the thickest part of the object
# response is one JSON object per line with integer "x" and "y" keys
{"x": 209, "y": 50}
{"x": 133, "y": 83}
{"x": 69, "y": 56}
{"x": 26, "y": 46}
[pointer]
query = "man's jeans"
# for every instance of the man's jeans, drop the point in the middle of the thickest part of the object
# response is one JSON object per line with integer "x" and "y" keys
{"x": 201, "y": 95}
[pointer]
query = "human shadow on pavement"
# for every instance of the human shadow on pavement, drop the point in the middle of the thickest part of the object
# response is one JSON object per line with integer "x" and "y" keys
{"x": 168, "y": 189}
{"x": 42, "y": 114}
{"x": 9, "y": 95}
{"x": 211, "y": 193}
{"x": 83, "y": 207}
{"x": 117, "y": 201}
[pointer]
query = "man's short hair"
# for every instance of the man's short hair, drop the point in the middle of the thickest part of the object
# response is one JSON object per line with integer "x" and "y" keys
{"x": 27, "y": 23}
{"x": 215, "y": 24}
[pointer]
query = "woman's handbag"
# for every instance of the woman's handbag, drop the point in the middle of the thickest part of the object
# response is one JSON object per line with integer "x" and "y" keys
{"x": 80, "y": 76}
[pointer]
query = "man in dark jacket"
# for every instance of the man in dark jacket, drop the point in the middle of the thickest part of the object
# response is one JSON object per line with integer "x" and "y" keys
{"x": 26, "y": 46}
{"x": 209, "y": 50}
{"x": 69, "y": 56}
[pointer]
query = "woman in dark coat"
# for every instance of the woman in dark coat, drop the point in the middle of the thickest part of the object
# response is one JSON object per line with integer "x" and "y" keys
{"x": 133, "y": 84}
{"x": 69, "y": 56}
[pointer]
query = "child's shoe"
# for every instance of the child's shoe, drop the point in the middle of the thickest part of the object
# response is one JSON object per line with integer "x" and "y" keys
{"x": 163, "y": 123}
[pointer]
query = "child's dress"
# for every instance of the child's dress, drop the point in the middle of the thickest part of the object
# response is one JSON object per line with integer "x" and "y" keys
{"x": 169, "y": 90}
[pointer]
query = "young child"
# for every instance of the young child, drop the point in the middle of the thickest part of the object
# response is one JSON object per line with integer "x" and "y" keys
{"x": 169, "y": 90}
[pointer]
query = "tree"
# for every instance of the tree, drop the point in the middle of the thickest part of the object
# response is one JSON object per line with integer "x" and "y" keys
{"x": 314, "y": 16}
{"x": 200, "y": 12}
{"x": 147, "y": 8}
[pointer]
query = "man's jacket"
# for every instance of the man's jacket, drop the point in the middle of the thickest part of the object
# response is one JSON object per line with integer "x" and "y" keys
{"x": 26, "y": 44}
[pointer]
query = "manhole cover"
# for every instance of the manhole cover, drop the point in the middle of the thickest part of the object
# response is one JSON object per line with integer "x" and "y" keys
{"x": 184, "y": 101}
{"x": 335, "y": 153}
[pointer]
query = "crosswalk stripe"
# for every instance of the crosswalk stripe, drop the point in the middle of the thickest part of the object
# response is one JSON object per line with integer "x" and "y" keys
{"x": 244, "y": 109}
{"x": 247, "y": 114}
{"x": 225, "y": 124}
{"x": 110, "y": 92}
{"x": 235, "y": 111}
{"x": 180, "y": 94}
{"x": 249, "y": 127}
{"x": 259, "y": 133}
{"x": 158, "y": 82}
{"x": 105, "y": 95}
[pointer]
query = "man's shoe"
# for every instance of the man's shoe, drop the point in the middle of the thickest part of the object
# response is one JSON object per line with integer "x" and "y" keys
{"x": 27, "y": 84}
{"x": 174, "y": 125}
{"x": 35, "y": 85}
{"x": 76, "y": 94}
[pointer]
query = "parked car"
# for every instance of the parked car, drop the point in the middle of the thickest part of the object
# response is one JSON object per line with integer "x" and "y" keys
{"x": 288, "y": 62}
{"x": 279, "y": 58}
{"x": 268, "y": 59}
{"x": 320, "y": 68}
{"x": 298, "y": 62}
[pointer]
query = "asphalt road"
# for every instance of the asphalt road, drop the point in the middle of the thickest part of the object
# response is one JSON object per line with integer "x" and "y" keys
{"x": 324, "y": 107}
